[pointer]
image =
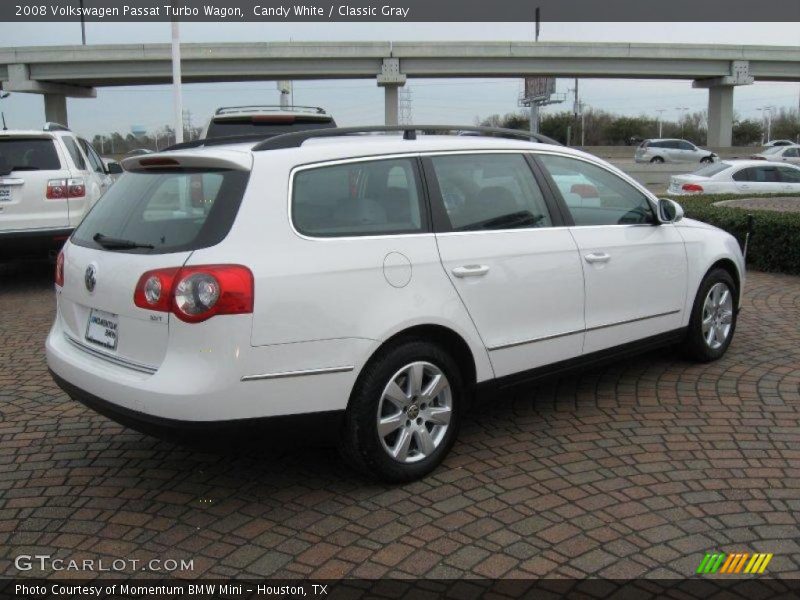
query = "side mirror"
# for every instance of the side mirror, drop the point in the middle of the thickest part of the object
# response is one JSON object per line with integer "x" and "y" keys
{"x": 113, "y": 168}
{"x": 669, "y": 211}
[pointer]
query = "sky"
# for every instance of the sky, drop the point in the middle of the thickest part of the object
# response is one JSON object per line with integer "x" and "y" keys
{"x": 360, "y": 102}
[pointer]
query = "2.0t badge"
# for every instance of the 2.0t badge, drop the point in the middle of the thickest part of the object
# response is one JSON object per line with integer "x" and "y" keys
{"x": 90, "y": 277}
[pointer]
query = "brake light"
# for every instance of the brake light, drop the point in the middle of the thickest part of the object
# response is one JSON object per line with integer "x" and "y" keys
{"x": 56, "y": 189}
{"x": 76, "y": 188}
{"x": 197, "y": 293}
{"x": 60, "y": 269}
{"x": 692, "y": 187}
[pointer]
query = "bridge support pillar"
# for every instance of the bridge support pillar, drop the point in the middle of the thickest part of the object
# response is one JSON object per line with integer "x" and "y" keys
{"x": 720, "y": 116}
{"x": 391, "y": 79}
{"x": 720, "y": 102}
{"x": 391, "y": 101}
{"x": 55, "y": 109}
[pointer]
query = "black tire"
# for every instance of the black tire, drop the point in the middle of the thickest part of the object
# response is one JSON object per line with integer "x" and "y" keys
{"x": 706, "y": 160}
{"x": 657, "y": 160}
{"x": 361, "y": 444}
{"x": 695, "y": 346}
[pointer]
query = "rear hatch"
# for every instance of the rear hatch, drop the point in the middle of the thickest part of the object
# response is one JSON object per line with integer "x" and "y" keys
{"x": 28, "y": 163}
{"x": 154, "y": 217}
{"x": 265, "y": 125}
{"x": 642, "y": 148}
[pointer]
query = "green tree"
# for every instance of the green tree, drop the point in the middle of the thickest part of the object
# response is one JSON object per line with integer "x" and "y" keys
{"x": 747, "y": 132}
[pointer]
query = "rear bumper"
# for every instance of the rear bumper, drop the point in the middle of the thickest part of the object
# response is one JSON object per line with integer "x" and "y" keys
{"x": 205, "y": 382}
{"x": 283, "y": 427}
{"x": 35, "y": 243}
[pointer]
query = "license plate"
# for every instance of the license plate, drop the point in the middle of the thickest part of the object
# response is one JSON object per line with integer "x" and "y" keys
{"x": 102, "y": 329}
{"x": 5, "y": 194}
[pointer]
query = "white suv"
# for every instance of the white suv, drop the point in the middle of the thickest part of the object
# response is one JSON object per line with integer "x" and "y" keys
{"x": 48, "y": 179}
{"x": 377, "y": 280}
{"x": 661, "y": 151}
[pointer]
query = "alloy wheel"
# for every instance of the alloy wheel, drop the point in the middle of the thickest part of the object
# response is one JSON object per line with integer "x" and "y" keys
{"x": 717, "y": 315}
{"x": 414, "y": 412}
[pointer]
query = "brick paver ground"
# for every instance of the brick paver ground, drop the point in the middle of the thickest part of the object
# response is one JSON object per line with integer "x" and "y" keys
{"x": 636, "y": 469}
{"x": 781, "y": 204}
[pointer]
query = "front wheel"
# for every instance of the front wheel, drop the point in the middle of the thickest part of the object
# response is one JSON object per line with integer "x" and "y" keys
{"x": 404, "y": 412}
{"x": 706, "y": 160}
{"x": 713, "y": 319}
{"x": 657, "y": 160}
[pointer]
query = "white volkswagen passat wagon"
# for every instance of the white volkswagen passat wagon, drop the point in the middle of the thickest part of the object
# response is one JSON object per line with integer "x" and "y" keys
{"x": 378, "y": 280}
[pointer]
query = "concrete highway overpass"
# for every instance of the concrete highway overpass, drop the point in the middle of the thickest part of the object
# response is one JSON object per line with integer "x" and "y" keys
{"x": 59, "y": 72}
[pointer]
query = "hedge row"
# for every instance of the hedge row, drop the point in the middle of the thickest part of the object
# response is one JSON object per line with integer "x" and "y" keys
{"x": 775, "y": 244}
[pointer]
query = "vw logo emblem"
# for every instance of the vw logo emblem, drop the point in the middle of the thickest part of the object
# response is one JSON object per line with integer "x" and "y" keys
{"x": 90, "y": 277}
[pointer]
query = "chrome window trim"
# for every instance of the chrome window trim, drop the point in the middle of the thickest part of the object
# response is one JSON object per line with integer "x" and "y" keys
{"x": 116, "y": 360}
{"x": 534, "y": 151}
{"x": 303, "y": 373}
{"x": 576, "y": 331}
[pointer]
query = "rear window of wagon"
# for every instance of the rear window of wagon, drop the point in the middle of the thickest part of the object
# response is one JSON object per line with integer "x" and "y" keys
{"x": 173, "y": 211}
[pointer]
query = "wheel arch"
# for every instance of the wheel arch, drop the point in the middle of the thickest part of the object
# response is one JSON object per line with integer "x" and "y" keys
{"x": 447, "y": 338}
{"x": 728, "y": 265}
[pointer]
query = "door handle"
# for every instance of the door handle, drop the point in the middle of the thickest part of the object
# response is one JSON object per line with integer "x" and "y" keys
{"x": 471, "y": 271}
{"x": 597, "y": 257}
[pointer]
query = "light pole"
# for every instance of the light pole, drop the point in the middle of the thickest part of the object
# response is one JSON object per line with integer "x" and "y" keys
{"x": 685, "y": 110}
{"x": 177, "y": 98}
{"x": 767, "y": 110}
{"x": 659, "y": 111}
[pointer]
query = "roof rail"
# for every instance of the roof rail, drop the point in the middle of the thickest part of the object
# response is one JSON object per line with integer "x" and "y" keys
{"x": 295, "y": 139}
{"x": 226, "y": 110}
{"x": 50, "y": 126}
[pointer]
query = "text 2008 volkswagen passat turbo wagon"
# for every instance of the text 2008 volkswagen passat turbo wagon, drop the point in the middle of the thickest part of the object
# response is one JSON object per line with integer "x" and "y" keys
{"x": 376, "y": 277}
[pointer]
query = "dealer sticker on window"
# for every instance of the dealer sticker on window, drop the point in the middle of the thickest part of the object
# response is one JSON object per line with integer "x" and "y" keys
{"x": 102, "y": 329}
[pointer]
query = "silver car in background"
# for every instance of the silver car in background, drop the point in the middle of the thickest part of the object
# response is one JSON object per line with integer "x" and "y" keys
{"x": 788, "y": 154}
{"x": 670, "y": 150}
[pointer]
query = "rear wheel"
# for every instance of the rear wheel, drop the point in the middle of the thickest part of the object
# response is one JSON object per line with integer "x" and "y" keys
{"x": 404, "y": 412}
{"x": 713, "y": 319}
{"x": 657, "y": 160}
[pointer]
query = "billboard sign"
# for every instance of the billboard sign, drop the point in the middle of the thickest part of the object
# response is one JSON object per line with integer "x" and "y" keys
{"x": 539, "y": 88}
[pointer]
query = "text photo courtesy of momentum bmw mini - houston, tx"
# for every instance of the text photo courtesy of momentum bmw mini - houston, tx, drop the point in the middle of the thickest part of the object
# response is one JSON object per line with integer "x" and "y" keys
{"x": 399, "y": 299}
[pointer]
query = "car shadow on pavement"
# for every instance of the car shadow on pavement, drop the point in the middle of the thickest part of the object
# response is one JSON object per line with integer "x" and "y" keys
{"x": 26, "y": 276}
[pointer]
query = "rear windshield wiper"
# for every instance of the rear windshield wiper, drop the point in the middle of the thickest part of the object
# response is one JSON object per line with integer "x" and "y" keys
{"x": 112, "y": 243}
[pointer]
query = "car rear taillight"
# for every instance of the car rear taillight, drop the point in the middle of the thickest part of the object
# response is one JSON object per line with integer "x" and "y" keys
{"x": 76, "y": 188}
{"x": 60, "y": 269}
{"x": 197, "y": 293}
{"x": 61, "y": 189}
{"x": 692, "y": 187}
{"x": 56, "y": 189}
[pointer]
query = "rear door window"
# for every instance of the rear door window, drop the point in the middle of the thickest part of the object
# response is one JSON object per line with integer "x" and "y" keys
{"x": 171, "y": 211}
{"x": 94, "y": 160}
{"x": 28, "y": 154}
{"x": 75, "y": 153}
{"x": 377, "y": 197}
{"x": 789, "y": 175}
{"x": 490, "y": 192}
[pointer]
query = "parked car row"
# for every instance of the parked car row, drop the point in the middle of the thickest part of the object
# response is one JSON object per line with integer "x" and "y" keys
{"x": 49, "y": 179}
